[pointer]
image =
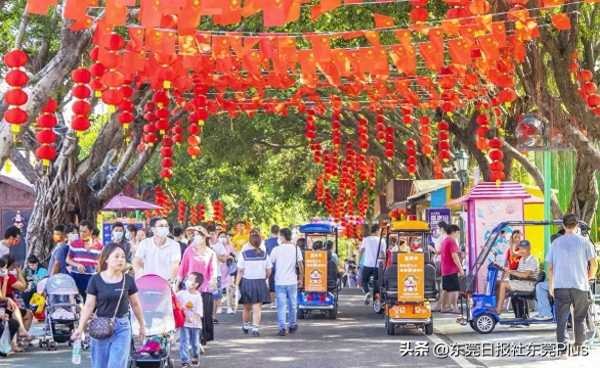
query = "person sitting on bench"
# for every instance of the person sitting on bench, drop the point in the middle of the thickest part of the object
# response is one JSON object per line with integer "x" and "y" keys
{"x": 526, "y": 275}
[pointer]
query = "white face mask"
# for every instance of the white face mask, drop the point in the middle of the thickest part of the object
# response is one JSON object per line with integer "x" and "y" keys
{"x": 198, "y": 239}
{"x": 117, "y": 236}
{"x": 189, "y": 284}
{"x": 161, "y": 231}
{"x": 128, "y": 235}
{"x": 72, "y": 237}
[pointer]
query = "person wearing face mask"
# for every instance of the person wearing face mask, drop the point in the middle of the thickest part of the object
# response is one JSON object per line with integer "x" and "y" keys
{"x": 118, "y": 237}
{"x": 58, "y": 259}
{"x": 12, "y": 238}
{"x": 198, "y": 257}
{"x": 158, "y": 255}
{"x": 189, "y": 335}
{"x": 83, "y": 257}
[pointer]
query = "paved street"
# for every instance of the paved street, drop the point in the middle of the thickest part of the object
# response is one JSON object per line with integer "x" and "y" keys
{"x": 356, "y": 339}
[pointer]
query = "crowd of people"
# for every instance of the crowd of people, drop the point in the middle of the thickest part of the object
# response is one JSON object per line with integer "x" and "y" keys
{"x": 212, "y": 271}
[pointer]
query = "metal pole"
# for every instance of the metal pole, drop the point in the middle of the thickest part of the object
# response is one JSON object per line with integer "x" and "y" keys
{"x": 547, "y": 198}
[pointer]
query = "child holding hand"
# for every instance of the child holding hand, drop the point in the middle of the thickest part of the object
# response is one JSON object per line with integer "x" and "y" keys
{"x": 190, "y": 301}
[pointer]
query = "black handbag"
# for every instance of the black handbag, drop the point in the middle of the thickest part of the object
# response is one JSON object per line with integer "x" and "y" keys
{"x": 101, "y": 328}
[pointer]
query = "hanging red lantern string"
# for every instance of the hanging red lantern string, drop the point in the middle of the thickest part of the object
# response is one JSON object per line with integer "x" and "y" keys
{"x": 166, "y": 152}
{"x": 126, "y": 108}
{"x": 407, "y": 118}
{"x": 320, "y": 189}
{"x": 425, "y": 131}
{"x": 363, "y": 167}
{"x": 372, "y": 172}
{"x": 193, "y": 216}
{"x": 363, "y": 204}
{"x": 149, "y": 129}
{"x": 218, "y": 212}
{"x": 482, "y": 121}
{"x": 81, "y": 107}
{"x": 310, "y": 129}
{"x": 379, "y": 127}
{"x": 496, "y": 156}
{"x": 161, "y": 100}
{"x": 16, "y": 96}
{"x": 46, "y": 137}
{"x": 336, "y": 132}
{"x": 177, "y": 132}
{"x": 443, "y": 144}
{"x": 181, "y": 207}
{"x": 389, "y": 142}
{"x": 112, "y": 78}
{"x": 363, "y": 133}
{"x": 97, "y": 69}
{"x": 315, "y": 147}
{"x": 201, "y": 212}
{"x": 411, "y": 157}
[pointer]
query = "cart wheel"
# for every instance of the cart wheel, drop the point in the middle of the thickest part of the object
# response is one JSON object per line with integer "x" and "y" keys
{"x": 428, "y": 328}
{"x": 484, "y": 323}
{"x": 389, "y": 327}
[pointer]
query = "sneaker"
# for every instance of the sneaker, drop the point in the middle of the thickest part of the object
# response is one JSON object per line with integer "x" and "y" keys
{"x": 202, "y": 349}
{"x": 540, "y": 317}
{"x": 367, "y": 298}
{"x": 282, "y": 332}
{"x": 219, "y": 310}
{"x": 245, "y": 328}
{"x": 215, "y": 321}
{"x": 185, "y": 365}
{"x": 195, "y": 361}
{"x": 293, "y": 328}
{"x": 255, "y": 332}
{"x": 230, "y": 311}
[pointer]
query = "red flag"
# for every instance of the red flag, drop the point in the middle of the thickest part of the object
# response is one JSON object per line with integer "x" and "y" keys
{"x": 40, "y": 7}
{"x": 383, "y": 21}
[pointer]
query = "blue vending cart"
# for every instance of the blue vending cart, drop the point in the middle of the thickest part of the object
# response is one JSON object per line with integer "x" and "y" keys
{"x": 326, "y": 300}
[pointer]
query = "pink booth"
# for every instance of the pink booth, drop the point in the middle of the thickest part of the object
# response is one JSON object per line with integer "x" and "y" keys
{"x": 488, "y": 204}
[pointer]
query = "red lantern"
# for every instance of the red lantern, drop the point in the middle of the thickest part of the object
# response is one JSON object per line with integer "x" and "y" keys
{"x": 46, "y": 153}
{"x": 16, "y": 97}
{"x": 81, "y": 106}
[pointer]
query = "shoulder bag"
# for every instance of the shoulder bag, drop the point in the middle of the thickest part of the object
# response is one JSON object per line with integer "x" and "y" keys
{"x": 102, "y": 328}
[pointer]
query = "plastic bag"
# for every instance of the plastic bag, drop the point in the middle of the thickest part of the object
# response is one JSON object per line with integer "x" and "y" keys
{"x": 5, "y": 347}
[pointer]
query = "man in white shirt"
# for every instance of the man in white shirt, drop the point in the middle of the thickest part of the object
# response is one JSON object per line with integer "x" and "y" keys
{"x": 526, "y": 275}
{"x": 12, "y": 238}
{"x": 369, "y": 249}
{"x": 285, "y": 257}
{"x": 158, "y": 255}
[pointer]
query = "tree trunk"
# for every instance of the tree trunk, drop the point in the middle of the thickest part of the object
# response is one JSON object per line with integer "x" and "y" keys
{"x": 584, "y": 198}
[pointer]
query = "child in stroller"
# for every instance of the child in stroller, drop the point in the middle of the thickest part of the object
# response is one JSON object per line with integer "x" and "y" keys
{"x": 62, "y": 311}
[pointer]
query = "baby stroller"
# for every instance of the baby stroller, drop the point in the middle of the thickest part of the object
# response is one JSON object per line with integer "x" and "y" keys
{"x": 159, "y": 322}
{"x": 62, "y": 311}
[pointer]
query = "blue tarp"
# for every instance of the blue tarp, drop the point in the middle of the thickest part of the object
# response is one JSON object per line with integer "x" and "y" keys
{"x": 318, "y": 229}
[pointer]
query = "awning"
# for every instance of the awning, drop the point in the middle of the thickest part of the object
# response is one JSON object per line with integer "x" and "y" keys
{"x": 122, "y": 202}
{"x": 424, "y": 187}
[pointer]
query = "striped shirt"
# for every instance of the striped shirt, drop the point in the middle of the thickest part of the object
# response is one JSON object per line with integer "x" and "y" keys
{"x": 88, "y": 257}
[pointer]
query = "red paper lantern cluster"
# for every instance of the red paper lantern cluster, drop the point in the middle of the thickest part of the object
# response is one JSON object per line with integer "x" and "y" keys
{"x": 126, "y": 108}
{"x": 310, "y": 129}
{"x": 411, "y": 157}
{"x": 588, "y": 90}
{"x": 81, "y": 107}
{"x": 443, "y": 143}
{"x": 362, "y": 167}
{"x": 389, "y": 143}
{"x": 418, "y": 12}
{"x": 218, "y": 212}
{"x": 16, "y": 97}
{"x": 496, "y": 156}
{"x": 425, "y": 131}
{"x": 196, "y": 124}
{"x": 162, "y": 200}
{"x": 320, "y": 189}
{"x": 181, "y": 207}
{"x": 363, "y": 133}
{"x": 46, "y": 136}
{"x": 407, "y": 117}
{"x": 161, "y": 101}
